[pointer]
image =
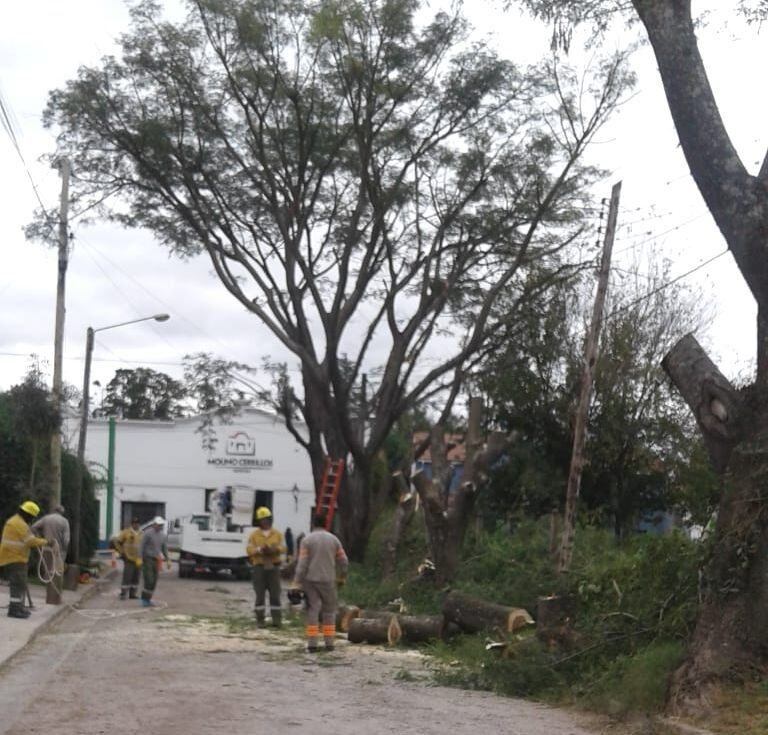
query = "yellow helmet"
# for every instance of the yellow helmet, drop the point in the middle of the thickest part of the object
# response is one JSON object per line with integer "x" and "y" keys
{"x": 262, "y": 513}
{"x": 29, "y": 506}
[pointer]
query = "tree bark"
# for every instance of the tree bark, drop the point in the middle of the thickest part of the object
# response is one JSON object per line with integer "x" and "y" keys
{"x": 729, "y": 637}
{"x": 425, "y": 628}
{"x": 406, "y": 508}
{"x": 373, "y": 630}
{"x": 715, "y": 403}
{"x": 473, "y": 615}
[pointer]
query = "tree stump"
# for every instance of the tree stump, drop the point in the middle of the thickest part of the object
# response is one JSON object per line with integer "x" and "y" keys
{"x": 473, "y": 615}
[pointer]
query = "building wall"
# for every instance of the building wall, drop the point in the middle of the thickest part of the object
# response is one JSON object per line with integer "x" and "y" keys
{"x": 164, "y": 462}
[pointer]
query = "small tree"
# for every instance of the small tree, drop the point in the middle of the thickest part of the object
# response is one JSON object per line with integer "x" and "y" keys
{"x": 363, "y": 183}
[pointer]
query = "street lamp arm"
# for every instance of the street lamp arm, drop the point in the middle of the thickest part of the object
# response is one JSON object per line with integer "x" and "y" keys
{"x": 156, "y": 317}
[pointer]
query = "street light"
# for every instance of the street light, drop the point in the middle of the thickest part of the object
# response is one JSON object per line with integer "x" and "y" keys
{"x": 89, "y": 338}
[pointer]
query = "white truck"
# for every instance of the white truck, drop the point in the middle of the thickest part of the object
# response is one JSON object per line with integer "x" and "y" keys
{"x": 217, "y": 540}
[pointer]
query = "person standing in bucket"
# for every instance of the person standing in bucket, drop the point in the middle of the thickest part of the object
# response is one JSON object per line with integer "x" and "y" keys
{"x": 153, "y": 549}
{"x": 321, "y": 569}
{"x": 17, "y": 540}
{"x": 265, "y": 551}
{"x": 127, "y": 545}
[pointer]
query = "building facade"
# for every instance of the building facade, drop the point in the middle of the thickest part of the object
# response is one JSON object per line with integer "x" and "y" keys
{"x": 162, "y": 467}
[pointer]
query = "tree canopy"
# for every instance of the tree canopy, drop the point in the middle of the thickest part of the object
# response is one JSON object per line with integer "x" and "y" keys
{"x": 364, "y": 182}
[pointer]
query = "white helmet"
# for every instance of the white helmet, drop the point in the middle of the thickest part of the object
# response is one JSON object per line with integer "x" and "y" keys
{"x": 158, "y": 521}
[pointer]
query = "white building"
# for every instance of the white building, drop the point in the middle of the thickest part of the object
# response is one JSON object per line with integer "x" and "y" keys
{"x": 161, "y": 467}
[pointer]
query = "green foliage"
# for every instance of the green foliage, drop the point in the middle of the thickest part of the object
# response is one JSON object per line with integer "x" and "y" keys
{"x": 89, "y": 506}
{"x": 635, "y": 603}
{"x": 27, "y": 420}
{"x": 637, "y": 682}
{"x": 143, "y": 393}
{"x": 642, "y": 452}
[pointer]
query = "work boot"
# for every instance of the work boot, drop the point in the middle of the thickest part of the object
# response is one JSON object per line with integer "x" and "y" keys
{"x": 312, "y": 649}
{"x": 260, "y": 618}
{"x": 123, "y": 594}
{"x": 18, "y": 611}
{"x": 132, "y": 594}
{"x": 277, "y": 618}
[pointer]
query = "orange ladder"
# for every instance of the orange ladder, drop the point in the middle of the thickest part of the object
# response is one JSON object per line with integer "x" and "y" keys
{"x": 333, "y": 472}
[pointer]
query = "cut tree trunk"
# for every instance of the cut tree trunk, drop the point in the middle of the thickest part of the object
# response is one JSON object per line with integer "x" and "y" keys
{"x": 730, "y": 639}
{"x": 374, "y": 630}
{"x": 715, "y": 403}
{"x": 344, "y": 615}
{"x": 404, "y": 513}
{"x": 425, "y": 628}
{"x": 474, "y": 615}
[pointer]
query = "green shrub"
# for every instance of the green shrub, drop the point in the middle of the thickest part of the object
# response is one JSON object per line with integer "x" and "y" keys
{"x": 637, "y": 683}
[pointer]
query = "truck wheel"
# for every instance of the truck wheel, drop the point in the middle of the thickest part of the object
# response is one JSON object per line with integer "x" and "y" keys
{"x": 184, "y": 570}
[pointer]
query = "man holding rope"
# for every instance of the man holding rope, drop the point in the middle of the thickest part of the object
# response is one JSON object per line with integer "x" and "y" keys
{"x": 17, "y": 541}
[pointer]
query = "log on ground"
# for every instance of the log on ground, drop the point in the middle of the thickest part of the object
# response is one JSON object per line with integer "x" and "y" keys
{"x": 344, "y": 615}
{"x": 374, "y": 630}
{"x": 473, "y": 615}
{"x": 424, "y": 628}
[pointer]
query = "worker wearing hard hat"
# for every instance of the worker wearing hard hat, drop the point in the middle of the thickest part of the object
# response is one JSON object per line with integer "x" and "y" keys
{"x": 153, "y": 548}
{"x": 127, "y": 544}
{"x": 322, "y": 567}
{"x": 16, "y": 543}
{"x": 265, "y": 551}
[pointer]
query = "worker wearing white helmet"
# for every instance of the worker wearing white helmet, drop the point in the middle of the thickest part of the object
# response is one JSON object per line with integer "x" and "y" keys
{"x": 15, "y": 546}
{"x": 152, "y": 550}
{"x": 265, "y": 551}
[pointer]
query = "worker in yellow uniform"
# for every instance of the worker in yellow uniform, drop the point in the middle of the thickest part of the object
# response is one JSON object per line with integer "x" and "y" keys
{"x": 127, "y": 546}
{"x": 265, "y": 551}
{"x": 15, "y": 546}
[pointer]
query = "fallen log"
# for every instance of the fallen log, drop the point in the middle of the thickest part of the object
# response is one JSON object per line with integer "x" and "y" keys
{"x": 473, "y": 615}
{"x": 374, "y": 630}
{"x": 344, "y": 615}
{"x": 424, "y": 628}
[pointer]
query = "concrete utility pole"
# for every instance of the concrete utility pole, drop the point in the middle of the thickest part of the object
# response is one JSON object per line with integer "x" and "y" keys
{"x": 58, "y": 339}
{"x": 587, "y": 378}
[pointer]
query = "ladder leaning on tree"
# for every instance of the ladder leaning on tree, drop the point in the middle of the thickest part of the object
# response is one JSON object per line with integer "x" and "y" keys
{"x": 328, "y": 492}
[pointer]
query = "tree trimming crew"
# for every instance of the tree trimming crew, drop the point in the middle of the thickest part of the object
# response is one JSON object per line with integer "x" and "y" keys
{"x": 16, "y": 543}
{"x": 265, "y": 550}
{"x": 153, "y": 548}
{"x": 322, "y": 567}
{"x": 127, "y": 544}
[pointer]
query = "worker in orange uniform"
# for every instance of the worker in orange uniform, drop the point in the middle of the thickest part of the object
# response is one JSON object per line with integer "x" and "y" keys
{"x": 321, "y": 569}
{"x": 127, "y": 544}
{"x": 265, "y": 552}
{"x": 15, "y": 546}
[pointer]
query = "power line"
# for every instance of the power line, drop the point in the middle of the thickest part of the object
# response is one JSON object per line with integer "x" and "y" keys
{"x": 6, "y": 116}
{"x": 663, "y": 286}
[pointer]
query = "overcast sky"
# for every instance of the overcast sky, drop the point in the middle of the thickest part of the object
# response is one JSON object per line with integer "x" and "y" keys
{"x": 117, "y": 275}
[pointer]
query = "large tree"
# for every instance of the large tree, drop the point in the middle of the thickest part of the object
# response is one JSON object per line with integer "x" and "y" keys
{"x": 357, "y": 177}
{"x": 731, "y": 637}
{"x": 143, "y": 393}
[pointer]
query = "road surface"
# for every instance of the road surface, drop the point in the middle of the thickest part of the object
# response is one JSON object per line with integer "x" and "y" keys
{"x": 196, "y": 665}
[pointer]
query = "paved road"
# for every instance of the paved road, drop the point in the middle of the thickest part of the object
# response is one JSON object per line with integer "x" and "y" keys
{"x": 197, "y": 666}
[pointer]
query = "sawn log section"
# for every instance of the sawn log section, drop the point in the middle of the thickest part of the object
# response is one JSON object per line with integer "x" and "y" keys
{"x": 473, "y": 615}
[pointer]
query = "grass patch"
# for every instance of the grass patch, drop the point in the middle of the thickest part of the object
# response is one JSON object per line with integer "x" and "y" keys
{"x": 740, "y": 710}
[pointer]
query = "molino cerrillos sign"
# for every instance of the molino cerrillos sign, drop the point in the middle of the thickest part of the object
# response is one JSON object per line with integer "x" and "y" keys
{"x": 240, "y": 454}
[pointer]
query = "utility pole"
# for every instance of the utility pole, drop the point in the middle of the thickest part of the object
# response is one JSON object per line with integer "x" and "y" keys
{"x": 58, "y": 339}
{"x": 585, "y": 396}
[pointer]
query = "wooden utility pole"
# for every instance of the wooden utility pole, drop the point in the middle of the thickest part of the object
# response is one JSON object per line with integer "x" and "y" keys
{"x": 587, "y": 378}
{"x": 58, "y": 339}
